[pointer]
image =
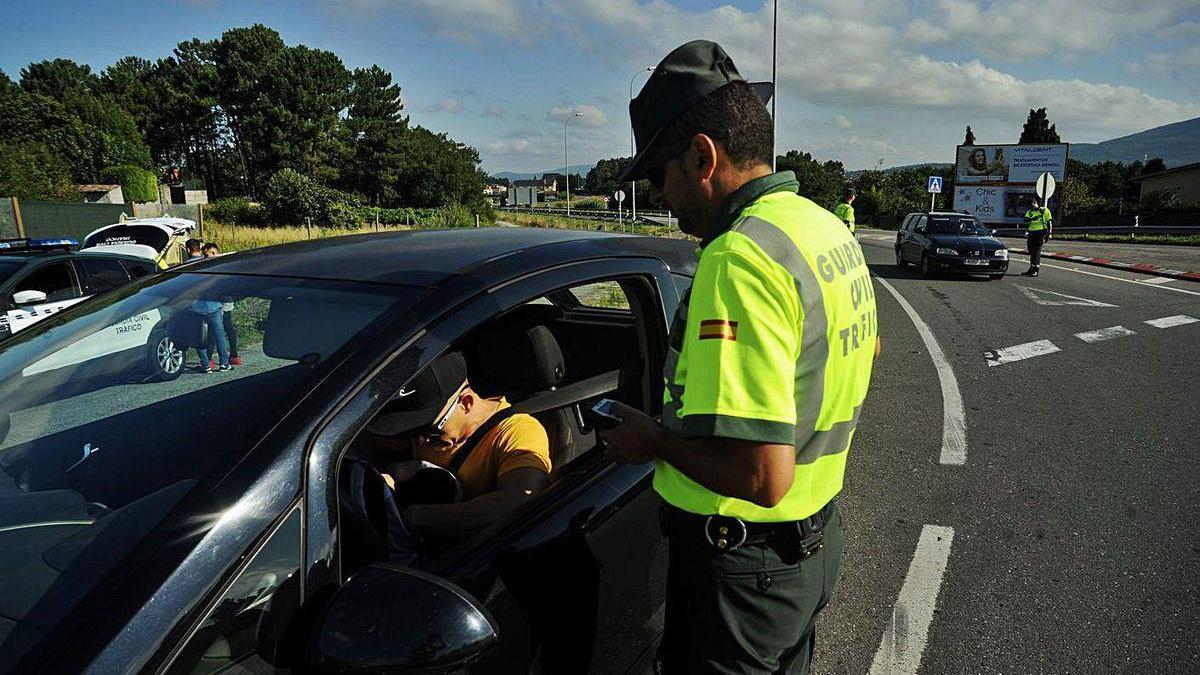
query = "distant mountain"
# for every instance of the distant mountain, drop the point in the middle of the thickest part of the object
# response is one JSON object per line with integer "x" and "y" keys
{"x": 580, "y": 169}
{"x": 1177, "y": 144}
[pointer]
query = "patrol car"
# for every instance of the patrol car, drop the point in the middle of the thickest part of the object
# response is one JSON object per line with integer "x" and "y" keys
{"x": 158, "y": 239}
{"x": 39, "y": 277}
{"x": 206, "y": 523}
{"x": 949, "y": 241}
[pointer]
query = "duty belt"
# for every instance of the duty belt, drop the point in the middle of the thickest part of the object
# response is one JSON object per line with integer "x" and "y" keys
{"x": 725, "y": 533}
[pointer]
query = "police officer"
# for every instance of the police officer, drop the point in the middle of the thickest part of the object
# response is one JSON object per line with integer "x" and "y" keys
{"x": 1037, "y": 220}
{"x": 845, "y": 210}
{"x": 769, "y": 361}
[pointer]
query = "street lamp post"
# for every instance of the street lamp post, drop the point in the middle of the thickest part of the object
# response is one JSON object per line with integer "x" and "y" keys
{"x": 632, "y": 149}
{"x": 566, "y": 167}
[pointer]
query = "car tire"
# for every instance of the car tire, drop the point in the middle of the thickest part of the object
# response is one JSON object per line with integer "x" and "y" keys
{"x": 164, "y": 360}
{"x": 900, "y": 257}
{"x": 925, "y": 271}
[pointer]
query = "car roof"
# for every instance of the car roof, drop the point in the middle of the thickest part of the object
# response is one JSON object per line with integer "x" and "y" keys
{"x": 431, "y": 257}
{"x": 26, "y": 257}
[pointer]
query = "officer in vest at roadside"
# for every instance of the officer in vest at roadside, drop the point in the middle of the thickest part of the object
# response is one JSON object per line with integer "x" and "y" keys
{"x": 845, "y": 210}
{"x": 769, "y": 362}
{"x": 1037, "y": 220}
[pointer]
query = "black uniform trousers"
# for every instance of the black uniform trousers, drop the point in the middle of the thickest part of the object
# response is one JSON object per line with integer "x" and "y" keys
{"x": 750, "y": 610}
{"x": 1034, "y": 241}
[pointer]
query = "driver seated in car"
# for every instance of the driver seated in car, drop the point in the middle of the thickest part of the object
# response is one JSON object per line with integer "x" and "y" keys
{"x": 437, "y": 417}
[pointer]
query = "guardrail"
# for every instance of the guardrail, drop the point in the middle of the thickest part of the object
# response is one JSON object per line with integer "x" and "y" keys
{"x": 591, "y": 214}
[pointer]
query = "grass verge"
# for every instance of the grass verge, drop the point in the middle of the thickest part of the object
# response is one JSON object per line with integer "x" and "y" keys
{"x": 1172, "y": 239}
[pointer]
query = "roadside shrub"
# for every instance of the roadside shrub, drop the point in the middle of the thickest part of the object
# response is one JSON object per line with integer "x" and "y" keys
{"x": 589, "y": 204}
{"x": 137, "y": 184}
{"x": 292, "y": 198}
{"x": 236, "y": 211}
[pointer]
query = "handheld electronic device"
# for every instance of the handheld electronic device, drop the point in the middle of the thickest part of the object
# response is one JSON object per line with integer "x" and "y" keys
{"x": 603, "y": 413}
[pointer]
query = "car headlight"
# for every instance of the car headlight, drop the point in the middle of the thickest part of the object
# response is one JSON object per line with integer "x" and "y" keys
{"x": 946, "y": 251}
{"x": 1002, "y": 253}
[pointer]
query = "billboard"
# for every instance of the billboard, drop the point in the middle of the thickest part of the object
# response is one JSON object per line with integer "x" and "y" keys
{"x": 997, "y": 204}
{"x": 1009, "y": 163}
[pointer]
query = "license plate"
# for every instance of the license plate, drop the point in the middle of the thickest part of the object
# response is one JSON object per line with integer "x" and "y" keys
{"x": 975, "y": 262}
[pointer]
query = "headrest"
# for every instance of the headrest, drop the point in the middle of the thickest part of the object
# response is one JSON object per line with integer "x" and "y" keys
{"x": 303, "y": 327}
{"x": 513, "y": 361}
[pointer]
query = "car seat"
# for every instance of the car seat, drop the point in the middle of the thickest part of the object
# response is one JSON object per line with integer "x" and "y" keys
{"x": 519, "y": 361}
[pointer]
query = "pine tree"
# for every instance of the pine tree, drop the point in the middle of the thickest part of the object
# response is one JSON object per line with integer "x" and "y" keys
{"x": 1038, "y": 129}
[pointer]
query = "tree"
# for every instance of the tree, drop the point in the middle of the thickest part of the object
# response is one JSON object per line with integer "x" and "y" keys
{"x": 1155, "y": 165}
{"x": 242, "y": 58}
{"x": 376, "y": 125}
{"x": 438, "y": 171}
{"x": 970, "y": 139}
{"x": 33, "y": 171}
{"x": 58, "y": 78}
{"x": 821, "y": 182}
{"x": 1038, "y": 129}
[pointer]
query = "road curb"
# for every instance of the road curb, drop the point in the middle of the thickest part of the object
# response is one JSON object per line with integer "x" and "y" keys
{"x": 1118, "y": 265}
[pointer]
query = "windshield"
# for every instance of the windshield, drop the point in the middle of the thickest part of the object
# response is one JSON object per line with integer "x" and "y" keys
{"x": 107, "y": 420}
{"x": 147, "y": 235}
{"x": 961, "y": 226}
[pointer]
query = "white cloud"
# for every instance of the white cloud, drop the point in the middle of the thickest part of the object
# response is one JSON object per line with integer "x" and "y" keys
{"x": 589, "y": 116}
{"x": 450, "y": 105}
{"x": 469, "y": 21}
{"x": 1185, "y": 60}
{"x": 841, "y": 121}
{"x": 1023, "y": 29}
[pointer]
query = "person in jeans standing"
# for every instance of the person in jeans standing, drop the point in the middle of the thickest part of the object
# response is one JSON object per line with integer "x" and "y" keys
{"x": 211, "y": 250}
{"x": 212, "y": 316}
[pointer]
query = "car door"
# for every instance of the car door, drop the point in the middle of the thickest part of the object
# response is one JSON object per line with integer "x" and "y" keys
{"x": 917, "y": 240}
{"x": 99, "y": 274}
{"x": 575, "y": 579}
{"x": 57, "y": 279}
{"x": 902, "y": 234}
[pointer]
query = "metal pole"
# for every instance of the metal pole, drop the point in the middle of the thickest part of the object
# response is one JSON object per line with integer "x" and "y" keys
{"x": 632, "y": 148}
{"x": 774, "y": 84}
{"x": 566, "y": 171}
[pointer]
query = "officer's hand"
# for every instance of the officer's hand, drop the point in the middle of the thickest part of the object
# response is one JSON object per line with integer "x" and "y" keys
{"x": 635, "y": 439}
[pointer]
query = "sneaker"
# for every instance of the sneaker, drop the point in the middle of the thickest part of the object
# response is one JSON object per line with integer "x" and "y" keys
{"x": 206, "y": 369}
{"x": 235, "y": 360}
{"x": 225, "y": 367}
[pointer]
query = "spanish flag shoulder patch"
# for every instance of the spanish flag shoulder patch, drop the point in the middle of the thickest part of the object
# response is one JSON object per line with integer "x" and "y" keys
{"x": 718, "y": 329}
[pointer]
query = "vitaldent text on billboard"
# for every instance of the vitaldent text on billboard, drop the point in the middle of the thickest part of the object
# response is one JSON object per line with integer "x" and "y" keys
{"x": 1009, "y": 163}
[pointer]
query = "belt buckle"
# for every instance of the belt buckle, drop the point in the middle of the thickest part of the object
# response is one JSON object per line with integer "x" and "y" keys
{"x": 723, "y": 542}
{"x": 811, "y": 544}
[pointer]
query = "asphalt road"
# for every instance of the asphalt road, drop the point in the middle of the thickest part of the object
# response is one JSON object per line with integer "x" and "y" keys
{"x": 1072, "y": 528}
{"x": 1164, "y": 255}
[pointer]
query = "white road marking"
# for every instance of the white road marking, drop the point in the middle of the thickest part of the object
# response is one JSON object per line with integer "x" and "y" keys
{"x": 1157, "y": 280}
{"x": 1020, "y": 352}
{"x": 1172, "y": 321}
{"x": 1128, "y": 281}
{"x": 1103, "y": 334}
{"x": 954, "y": 419}
{"x": 1033, "y": 294}
{"x": 903, "y": 642}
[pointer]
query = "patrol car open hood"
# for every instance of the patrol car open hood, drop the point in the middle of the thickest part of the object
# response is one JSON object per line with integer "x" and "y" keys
{"x": 958, "y": 241}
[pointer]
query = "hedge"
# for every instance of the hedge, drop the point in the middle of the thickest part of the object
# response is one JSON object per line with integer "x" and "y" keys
{"x": 137, "y": 184}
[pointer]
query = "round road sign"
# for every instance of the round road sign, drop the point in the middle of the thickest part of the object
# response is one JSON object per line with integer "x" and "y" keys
{"x": 1045, "y": 186}
{"x": 619, "y": 195}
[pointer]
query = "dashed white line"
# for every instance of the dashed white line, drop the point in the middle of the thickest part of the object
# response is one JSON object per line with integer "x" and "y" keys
{"x": 1035, "y": 294}
{"x": 1103, "y": 334}
{"x": 954, "y": 418}
{"x": 1172, "y": 321}
{"x": 1020, "y": 352}
{"x": 904, "y": 640}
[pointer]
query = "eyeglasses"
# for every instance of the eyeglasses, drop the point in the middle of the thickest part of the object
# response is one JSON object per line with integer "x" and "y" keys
{"x": 435, "y": 430}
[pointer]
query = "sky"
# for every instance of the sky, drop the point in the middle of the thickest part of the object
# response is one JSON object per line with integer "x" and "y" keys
{"x": 862, "y": 82}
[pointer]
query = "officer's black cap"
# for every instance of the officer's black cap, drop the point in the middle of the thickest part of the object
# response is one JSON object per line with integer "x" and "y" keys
{"x": 688, "y": 74}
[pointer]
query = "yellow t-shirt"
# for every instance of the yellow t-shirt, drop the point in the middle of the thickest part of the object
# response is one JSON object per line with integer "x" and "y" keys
{"x": 516, "y": 443}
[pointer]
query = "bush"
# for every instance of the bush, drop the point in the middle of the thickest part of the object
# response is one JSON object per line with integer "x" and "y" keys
{"x": 236, "y": 211}
{"x": 137, "y": 184}
{"x": 294, "y": 199}
{"x": 589, "y": 204}
{"x": 30, "y": 171}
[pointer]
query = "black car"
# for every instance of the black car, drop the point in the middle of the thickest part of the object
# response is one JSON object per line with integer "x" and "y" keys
{"x": 949, "y": 242}
{"x": 206, "y": 523}
{"x": 41, "y": 277}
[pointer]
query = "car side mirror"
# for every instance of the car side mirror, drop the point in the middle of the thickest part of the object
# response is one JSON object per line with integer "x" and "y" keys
{"x": 396, "y": 620}
{"x": 28, "y": 297}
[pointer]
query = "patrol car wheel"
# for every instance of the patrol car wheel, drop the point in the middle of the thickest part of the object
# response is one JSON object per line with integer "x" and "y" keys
{"x": 165, "y": 359}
